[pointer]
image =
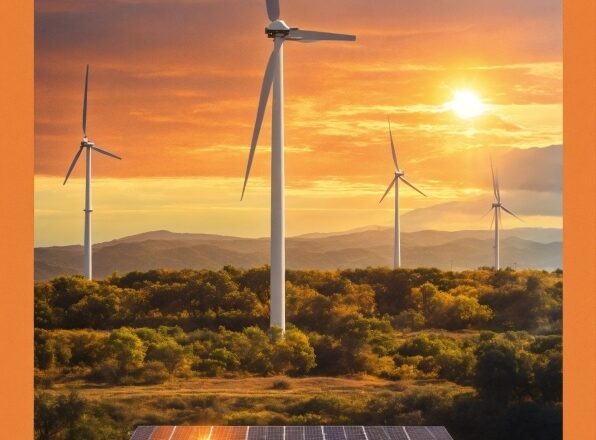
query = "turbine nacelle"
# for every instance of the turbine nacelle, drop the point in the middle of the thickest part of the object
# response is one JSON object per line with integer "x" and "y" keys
{"x": 399, "y": 173}
{"x": 497, "y": 205}
{"x": 278, "y": 28}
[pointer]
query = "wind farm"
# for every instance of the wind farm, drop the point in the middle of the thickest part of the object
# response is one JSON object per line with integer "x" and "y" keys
{"x": 236, "y": 287}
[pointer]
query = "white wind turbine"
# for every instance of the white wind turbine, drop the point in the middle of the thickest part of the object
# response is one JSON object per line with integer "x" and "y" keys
{"x": 398, "y": 175}
{"x": 87, "y": 146}
{"x": 496, "y": 208}
{"x": 279, "y": 32}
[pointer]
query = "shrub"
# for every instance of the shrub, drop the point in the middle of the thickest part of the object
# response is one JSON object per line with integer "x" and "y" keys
{"x": 281, "y": 385}
{"x": 153, "y": 373}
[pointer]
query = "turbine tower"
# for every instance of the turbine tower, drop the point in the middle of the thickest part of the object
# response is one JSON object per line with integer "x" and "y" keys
{"x": 279, "y": 32}
{"x": 87, "y": 146}
{"x": 398, "y": 175}
{"x": 497, "y": 206}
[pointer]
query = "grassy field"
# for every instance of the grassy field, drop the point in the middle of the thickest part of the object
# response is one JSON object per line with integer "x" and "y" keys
{"x": 249, "y": 400}
{"x": 253, "y": 387}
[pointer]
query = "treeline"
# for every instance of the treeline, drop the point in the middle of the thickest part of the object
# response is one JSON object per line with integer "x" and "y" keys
{"x": 316, "y": 301}
{"x": 147, "y": 327}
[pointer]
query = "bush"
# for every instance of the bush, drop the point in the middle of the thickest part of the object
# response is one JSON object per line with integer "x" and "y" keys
{"x": 153, "y": 373}
{"x": 281, "y": 385}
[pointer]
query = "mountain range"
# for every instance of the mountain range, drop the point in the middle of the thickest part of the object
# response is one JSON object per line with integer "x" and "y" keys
{"x": 538, "y": 248}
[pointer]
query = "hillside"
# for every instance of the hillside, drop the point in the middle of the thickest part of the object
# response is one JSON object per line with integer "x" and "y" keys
{"x": 523, "y": 247}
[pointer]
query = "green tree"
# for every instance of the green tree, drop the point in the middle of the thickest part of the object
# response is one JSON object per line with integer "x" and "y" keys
{"x": 127, "y": 349}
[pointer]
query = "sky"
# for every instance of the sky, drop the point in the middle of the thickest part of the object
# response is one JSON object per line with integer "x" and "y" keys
{"x": 174, "y": 88}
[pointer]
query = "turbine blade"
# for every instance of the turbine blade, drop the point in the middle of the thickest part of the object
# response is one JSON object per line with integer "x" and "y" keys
{"x": 388, "y": 189}
{"x": 107, "y": 153}
{"x": 393, "y": 151}
{"x": 492, "y": 221}
{"x": 272, "y": 65}
{"x": 72, "y": 165}
{"x": 273, "y": 9}
{"x": 305, "y": 36}
{"x": 492, "y": 170}
{"x": 486, "y": 213}
{"x": 511, "y": 213}
{"x": 85, "y": 101}
{"x": 498, "y": 189}
{"x": 411, "y": 186}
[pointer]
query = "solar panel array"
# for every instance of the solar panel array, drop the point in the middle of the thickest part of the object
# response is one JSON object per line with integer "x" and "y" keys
{"x": 291, "y": 433}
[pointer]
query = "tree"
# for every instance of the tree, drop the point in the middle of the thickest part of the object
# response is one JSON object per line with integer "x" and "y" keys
{"x": 293, "y": 354}
{"x": 171, "y": 354}
{"x": 127, "y": 348}
{"x": 503, "y": 371}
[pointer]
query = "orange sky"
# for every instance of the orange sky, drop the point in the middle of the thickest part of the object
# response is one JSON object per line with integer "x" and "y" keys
{"x": 174, "y": 87}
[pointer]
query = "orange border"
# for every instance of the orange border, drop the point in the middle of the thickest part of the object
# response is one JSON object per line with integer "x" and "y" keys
{"x": 16, "y": 218}
{"x": 579, "y": 121}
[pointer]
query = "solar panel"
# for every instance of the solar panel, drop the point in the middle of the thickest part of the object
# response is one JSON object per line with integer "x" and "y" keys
{"x": 190, "y": 433}
{"x": 295, "y": 433}
{"x": 440, "y": 432}
{"x": 162, "y": 433}
{"x": 355, "y": 432}
{"x": 291, "y": 433}
{"x": 143, "y": 433}
{"x": 396, "y": 432}
{"x": 420, "y": 433}
{"x": 257, "y": 433}
{"x": 275, "y": 433}
{"x": 334, "y": 433}
{"x": 376, "y": 433}
{"x": 226, "y": 433}
{"x": 313, "y": 433}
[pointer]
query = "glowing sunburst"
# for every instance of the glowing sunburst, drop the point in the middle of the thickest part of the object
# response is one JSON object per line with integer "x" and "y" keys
{"x": 466, "y": 104}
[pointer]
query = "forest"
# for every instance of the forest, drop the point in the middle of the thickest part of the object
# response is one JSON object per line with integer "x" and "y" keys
{"x": 478, "y": 351}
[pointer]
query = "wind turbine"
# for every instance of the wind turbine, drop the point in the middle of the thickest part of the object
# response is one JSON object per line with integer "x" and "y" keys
{"x": 279, "y": 32}
{"x": 87, "y": 146}
{"x": 398, "y": 175}
{"x": 497, "y": 206}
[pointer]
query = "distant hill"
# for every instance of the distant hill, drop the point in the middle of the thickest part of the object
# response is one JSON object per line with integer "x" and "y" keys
{"x": 372, "y": 246}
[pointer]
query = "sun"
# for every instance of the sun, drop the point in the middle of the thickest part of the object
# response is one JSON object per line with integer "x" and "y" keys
{"x": 466, "y": 104}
